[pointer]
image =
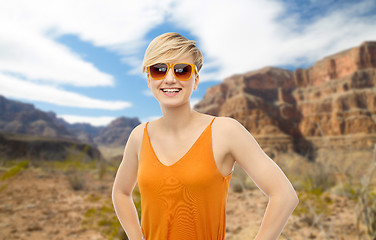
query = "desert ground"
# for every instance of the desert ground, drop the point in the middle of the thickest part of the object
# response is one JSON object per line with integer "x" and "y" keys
{"x": 72, "y": 200}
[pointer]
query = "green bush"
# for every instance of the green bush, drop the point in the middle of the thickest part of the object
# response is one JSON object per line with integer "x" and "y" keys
{"x": 105, "y": 221}
{"x": 13, "y": 171}
{"x": 75, "y": 179}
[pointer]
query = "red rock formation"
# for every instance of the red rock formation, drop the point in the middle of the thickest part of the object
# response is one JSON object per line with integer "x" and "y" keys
{"x": 338, "y": 93}
{"x": 338, "y": 66}
{"x": 334, "y": 98}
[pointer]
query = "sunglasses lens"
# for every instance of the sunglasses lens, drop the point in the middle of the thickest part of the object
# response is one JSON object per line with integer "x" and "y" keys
{"x": 183, "y": 71}
{"x": 158, "y": 71}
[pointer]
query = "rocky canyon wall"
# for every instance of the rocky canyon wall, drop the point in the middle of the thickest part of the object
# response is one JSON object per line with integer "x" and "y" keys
{"x": 331, "y": 104}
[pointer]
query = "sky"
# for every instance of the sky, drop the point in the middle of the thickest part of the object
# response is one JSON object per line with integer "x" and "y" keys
{"x": 83, "y": 59}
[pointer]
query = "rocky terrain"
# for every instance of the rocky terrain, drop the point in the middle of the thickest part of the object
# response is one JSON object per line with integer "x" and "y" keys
{"x": 334, "y": 99}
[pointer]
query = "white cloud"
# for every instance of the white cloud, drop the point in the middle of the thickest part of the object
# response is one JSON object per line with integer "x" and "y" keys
{"x": 245, "y": 35}
{"x": 235, "y": 36}
{"x": 95, "y": 121}
{"x": 17, "y": 88}
{"x": 40, "y": 58}
{"x": 29, "y": 50}
{"x": 117, "y": 23}
{"x": 136, "y": 65}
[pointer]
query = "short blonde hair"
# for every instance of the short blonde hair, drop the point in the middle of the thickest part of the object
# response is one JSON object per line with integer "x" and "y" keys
{"x": 171, "y": 46}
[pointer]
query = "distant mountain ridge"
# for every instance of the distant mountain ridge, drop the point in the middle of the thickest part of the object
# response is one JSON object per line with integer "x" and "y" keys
{"x": 23, "y": 118}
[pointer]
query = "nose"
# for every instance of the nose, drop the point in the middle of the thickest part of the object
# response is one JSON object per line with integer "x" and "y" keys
{"x": 170, "y": 77}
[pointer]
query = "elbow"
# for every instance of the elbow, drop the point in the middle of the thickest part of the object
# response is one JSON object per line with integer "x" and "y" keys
{"x": 115, "y": 195}
{"x": 293, "y": 199}
{"x": 120, "y": 194}
{"x": 288, "y": 198}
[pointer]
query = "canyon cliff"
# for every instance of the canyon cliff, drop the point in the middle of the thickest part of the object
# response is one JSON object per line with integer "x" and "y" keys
{"x": 331, "y": 104}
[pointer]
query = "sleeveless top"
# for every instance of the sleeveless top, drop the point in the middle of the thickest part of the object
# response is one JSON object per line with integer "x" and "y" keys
{"x": 185, "y": 200}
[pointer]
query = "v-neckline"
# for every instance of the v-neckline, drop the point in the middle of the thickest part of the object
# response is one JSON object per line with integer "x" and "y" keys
{"x": 184, "y": 156}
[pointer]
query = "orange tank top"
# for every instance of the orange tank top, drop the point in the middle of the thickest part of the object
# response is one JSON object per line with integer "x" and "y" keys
{"x": 186, "y": 200}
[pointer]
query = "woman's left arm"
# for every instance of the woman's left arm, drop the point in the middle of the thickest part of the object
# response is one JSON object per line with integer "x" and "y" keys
{"x": 267, "y": 176}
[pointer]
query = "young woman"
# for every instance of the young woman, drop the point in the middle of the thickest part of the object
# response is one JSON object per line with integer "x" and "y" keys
{"x": 183, "y": 161}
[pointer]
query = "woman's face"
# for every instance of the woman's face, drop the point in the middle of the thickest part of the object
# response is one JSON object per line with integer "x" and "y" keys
{"x": 185, "y": 87}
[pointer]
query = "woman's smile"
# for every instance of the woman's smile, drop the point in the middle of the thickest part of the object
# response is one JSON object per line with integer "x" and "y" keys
{"x": 170, "y": 91}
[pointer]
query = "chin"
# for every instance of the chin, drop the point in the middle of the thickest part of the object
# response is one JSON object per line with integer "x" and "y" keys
{"x": 172, "y": 104}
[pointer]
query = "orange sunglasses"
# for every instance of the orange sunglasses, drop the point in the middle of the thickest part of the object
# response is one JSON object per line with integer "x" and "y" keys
{"x": 182, "y": 71}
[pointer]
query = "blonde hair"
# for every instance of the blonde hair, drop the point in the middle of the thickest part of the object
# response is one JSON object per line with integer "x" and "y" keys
{"x": 171, "y": 46}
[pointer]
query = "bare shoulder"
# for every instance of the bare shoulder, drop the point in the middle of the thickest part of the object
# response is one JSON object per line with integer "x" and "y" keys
{"x": 135, "y": 137}
{"x": 228, "y": 125}
{"x": 137, "y": 132}
{"x": 227, "y": 132}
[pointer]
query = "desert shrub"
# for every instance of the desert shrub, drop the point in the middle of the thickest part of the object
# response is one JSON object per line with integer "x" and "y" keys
{"x": 318, "y": 179}
{"x": 13, "y": 171}
{"x": 104, "y": 220}
{"x": 237, "y": 186}
{"x": 314, "y": 199}
{"x": 365, "y": 197}
{"x": 75, "y": 168}
{"x": 76, "y": 180}
{"x": 238, "y": 179}
{"x": 367, "y": 212}
{"x": 75, "y": 171}
{"x": 367, "y": 201}
{"x": 101, "y": 169}
{"x": 311, "y": 206}
{"x": 103, "y": 217}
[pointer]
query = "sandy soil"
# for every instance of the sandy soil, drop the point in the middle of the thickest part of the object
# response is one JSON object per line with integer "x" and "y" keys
{"x": 40, "y": 205}
{"x": 43, "y": 206}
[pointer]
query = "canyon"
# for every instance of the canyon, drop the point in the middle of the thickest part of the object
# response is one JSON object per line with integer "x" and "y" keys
{"x": 331, "y": 104}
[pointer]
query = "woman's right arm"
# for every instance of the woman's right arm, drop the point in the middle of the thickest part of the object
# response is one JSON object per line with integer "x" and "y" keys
{"x": 125, "y": 181}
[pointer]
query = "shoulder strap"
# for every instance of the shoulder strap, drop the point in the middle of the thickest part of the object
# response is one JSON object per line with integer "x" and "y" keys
{"x": 212, "y": 121}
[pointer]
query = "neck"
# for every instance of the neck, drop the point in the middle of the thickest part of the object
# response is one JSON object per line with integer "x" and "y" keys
{"x": 175, "y": 119}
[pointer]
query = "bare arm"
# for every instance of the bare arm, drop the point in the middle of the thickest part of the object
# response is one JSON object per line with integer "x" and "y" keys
{"x": 125, "y": 181}
{"x": 267, "y": 176}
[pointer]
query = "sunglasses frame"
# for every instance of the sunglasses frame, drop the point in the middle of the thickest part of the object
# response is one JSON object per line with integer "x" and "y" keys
{"x": 171, "y": 66}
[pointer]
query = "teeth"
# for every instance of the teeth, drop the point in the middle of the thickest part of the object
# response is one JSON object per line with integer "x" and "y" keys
{"x": 170, "y": 90}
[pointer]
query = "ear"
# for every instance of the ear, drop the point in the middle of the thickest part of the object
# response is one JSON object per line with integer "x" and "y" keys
{"x": 148, "y": 80}
{"x": 197, "y": 80}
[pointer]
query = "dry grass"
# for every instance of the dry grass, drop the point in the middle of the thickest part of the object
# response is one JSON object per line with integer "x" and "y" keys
{"x": 337, "y": 195}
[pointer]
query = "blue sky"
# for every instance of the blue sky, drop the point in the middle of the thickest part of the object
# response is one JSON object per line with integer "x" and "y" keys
{"x": 82, "y": 59}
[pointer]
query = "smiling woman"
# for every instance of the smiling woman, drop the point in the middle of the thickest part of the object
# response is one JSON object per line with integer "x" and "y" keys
{"x": 183, "y": 162}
